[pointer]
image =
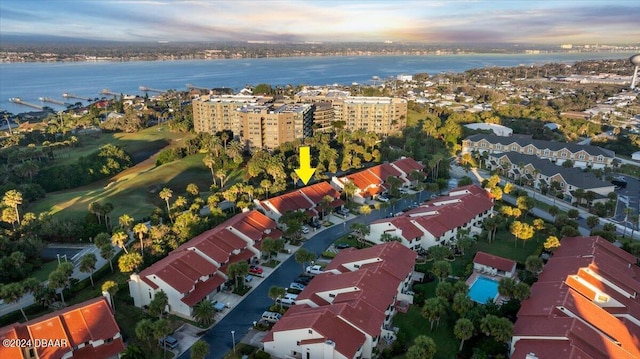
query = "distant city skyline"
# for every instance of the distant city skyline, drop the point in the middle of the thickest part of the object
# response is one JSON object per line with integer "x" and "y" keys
{"x": 532, "y": 22}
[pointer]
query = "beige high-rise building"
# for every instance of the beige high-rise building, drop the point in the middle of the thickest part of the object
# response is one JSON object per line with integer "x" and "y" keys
{"x": 382, "y": 115}
{"x": 217, "y": 113}
{"x": 271, "y": 126}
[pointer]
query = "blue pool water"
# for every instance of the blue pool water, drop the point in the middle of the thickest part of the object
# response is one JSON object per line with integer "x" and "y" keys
{"x": 483, "y": 290}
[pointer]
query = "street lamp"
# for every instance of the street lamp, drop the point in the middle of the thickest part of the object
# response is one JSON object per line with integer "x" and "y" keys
{"x": 233, "y": 336}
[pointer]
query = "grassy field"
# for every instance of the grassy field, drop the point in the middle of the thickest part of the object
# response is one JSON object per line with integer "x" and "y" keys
{"x": 130, "y": 191}
{"x": 140, "y": 145}
{"x": 42, "y": 274}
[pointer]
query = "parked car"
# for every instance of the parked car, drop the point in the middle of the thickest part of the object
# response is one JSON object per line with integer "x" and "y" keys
{"x": 342, "y": 245}
{"x": 255, "y": 270}
{"x": 315, "y": 224}
{"x": 303, "y": 279}
{"x": 316, "y": 269}
{"x": 271, "y": 317}
{"x": 297, "y": 286}
{"x": 168, "y": 342}
{"x": 382, "y": 198}
{"x": 305, "y": 229}
{"x": 288, "y": 299}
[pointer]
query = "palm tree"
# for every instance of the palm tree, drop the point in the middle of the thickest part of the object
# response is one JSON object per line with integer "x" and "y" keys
{"x": 120, "y": 239}
{"x": 360, "y": 230}
{"x": 276, "y": 293}
{"x": 199, "y": 350}
{"x": 506, "y": 287}
{"x": 166, "y": 194}
{"x": 441, "y": 269}
{"x": 13, "y": 199}
{"x": 125, "y": 222}
{"x": 12, "y": 293}
{"x": 111, "y": 287}
{"x": 423, "y": 348}
{"x": 204, "y": 312}
{"x": 141, "y": 229}
{"x": 107, "y": 252}
{"x": 304, "y": 256}
{"x": 88, "y": 265}
{"x": 59, "y": 280}
{"x": 96, "y": 208}
{"x": 463, "y": 330}
{"x": 433, "y": 309}
{"x": 106, "y": 209}
{"x": 349, "y": 190}
{"x": 129, "y": 262}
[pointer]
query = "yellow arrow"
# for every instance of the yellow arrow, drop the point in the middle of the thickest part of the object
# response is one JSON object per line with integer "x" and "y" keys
{"x": 305, "y": 171}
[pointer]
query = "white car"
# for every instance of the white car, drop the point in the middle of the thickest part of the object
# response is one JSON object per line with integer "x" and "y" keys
{"x": 316, "y": 269}
{"x": 305, "y": 229}
{"x": 297, "y": 286}
{"x": 382, "y": 198}
{"x": 288, "y": 299}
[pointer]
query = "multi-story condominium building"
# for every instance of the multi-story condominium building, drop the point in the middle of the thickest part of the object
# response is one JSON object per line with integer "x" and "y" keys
{"x": 198, "y": 269}
{"x": 438, "y": 221}
{"x": 382, "y": 115}
{"x": 217, "y": 113}
{"x": 542, "y": 173}
{"x": 86, "y": 330}
{"x": 585, "y": 304}
{"x": 323, "y": 116}
{"x": 558, "y": 152}
{"x": 271, "y": 126}
{"x": 345, "y": 311}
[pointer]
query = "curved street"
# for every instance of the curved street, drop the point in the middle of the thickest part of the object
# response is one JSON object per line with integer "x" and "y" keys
{"x": 240, "y": 319}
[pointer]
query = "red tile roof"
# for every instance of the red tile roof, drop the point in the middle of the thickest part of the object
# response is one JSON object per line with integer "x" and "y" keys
{"x": 497, "y": 262}
{"x": 328, "y": 326}
{"x": 180, "y": 269}
{"x": 446, "y": 213}
{"x": 202, "y": 290}
{"x": 89, "y": 321}
{"x": 395, "y": 258}
{"x": 183, "y": 268}
{"x": 407, "y": 165}
{"x": 563, "y": 307}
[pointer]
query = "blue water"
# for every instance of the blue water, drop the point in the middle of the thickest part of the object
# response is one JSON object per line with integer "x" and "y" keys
{"x": 483, "y": 290}
{"x": 30, "y": 81}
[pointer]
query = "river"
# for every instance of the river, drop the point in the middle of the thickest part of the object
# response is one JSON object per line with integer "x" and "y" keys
{"x": 30, "y": 81}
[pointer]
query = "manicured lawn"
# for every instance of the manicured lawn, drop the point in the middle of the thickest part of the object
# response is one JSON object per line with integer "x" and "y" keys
{"x": 139, "y": 145}
{"x": 129, "y": 191}
{"x": 42, "y": 274}
{"x": 413, "y": 324}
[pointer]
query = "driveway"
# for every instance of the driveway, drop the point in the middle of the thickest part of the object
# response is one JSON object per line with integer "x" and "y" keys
{"x": 240, "y": 319}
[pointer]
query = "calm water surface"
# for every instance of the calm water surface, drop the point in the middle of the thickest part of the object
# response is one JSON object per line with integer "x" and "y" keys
{"x": 29, "y": 81}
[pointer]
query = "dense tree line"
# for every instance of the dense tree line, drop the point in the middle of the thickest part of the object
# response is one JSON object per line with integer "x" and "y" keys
{"x": 107, "y": 161}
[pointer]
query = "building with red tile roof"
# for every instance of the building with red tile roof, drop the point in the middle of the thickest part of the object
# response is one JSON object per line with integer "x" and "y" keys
{"x": 357, "y": 292}
{"x": 585, "y": 304}
{"x": 304, "y": 199}
{"x": 494, "y": 265}
{"x": 197, "y": 269}
{"x": 437, "y": 222}
{"x": 372, "y": 181}
{"x": 87, "y": 331}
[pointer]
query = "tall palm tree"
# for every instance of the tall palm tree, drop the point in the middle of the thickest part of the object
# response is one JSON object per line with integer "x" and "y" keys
{"x": 204, "y": 312}
{"x": 141, "y": 229}
{"x": 88, "y": 265}
{"x": 463, "y": 330}
{"x": 13, "y": 199}
{"x": 166, "y": 194}
{"x": 119, "y": 239}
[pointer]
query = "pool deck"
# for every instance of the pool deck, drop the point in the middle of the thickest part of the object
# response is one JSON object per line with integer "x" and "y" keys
{"x": 474, "y": 275}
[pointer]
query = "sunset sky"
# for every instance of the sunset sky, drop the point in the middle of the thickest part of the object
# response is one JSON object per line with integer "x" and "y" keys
{"x": 510, "y": 21}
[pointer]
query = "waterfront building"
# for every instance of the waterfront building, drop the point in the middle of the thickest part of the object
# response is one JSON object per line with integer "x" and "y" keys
{"x": 218, "y": 113}
{"x": 270, "y": 126}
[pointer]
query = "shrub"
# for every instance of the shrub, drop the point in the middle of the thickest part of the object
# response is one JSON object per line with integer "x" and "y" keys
{"x": 328, "y": 254}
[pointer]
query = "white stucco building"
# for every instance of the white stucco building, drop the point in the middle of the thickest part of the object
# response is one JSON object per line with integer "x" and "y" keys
{"x": 437, "y": 222}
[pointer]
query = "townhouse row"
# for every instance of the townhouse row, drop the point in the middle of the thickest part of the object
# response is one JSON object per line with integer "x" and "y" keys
{"x": 582, "y": 155}
{"x": 345, "y": 312}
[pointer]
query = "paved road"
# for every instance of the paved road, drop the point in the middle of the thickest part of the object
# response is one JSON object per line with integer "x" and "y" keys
{"x": 240, "y": 319}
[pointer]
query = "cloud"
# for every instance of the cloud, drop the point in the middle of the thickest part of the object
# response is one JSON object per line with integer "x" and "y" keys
{"x": 424, "y": 21}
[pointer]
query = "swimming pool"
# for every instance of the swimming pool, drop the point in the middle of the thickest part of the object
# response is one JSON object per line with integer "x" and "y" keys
{"x": 483, "y": 290}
